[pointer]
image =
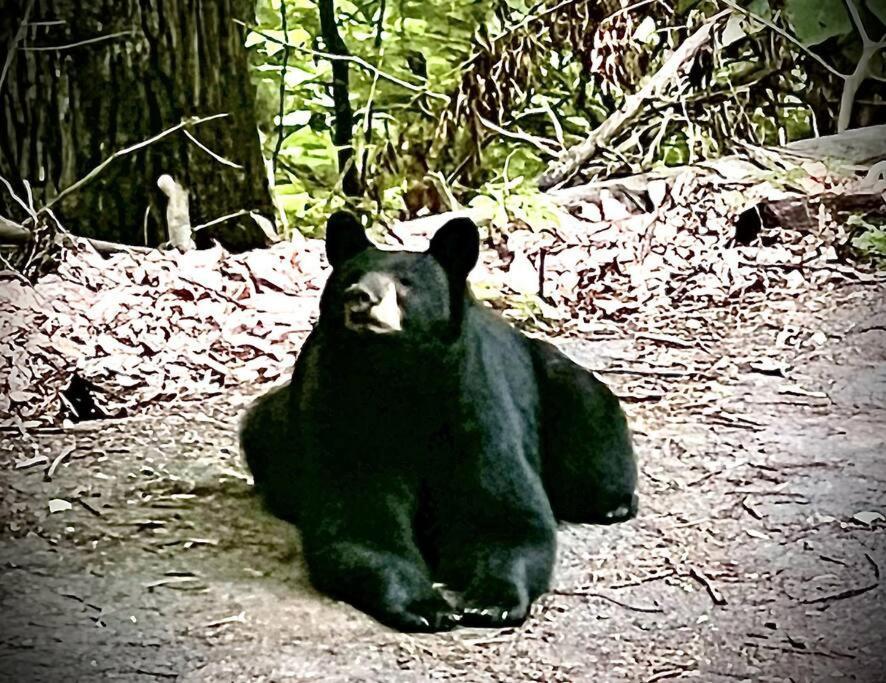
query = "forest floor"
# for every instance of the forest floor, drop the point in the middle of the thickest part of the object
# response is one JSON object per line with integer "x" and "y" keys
{"x": 756, "y": 555}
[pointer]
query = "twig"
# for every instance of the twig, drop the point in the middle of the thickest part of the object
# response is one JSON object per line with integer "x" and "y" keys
{"x": 715, "y": 594}
{"x": 652, "y": 372}
{"x": 105, "y": 247}
{"x": 853, "y": 81}
{"x": 874, "y": 566}
{"x": 842, "y": 595}
{"x": 89, "y": 508}
{"x": 218, "y": 157}
{"x": 187, "y": 123}
{"x": 533, "y": 140}
{"x": 234, "y": 619}
{"x": 665, "y": 339}
{"x": 18, "y": 200}
{"x": 18, "y": 36}
{"x": 221, "y": 219}
{"x": 646, "y": 579}
{"x": 590, "y": 594}
{"x": 667, "y": 673}
{"x": 50, "y": 471}
{"x": 30, "y": 462}
{"x": 79, "y": 43}
{"x": 784, "y": 34}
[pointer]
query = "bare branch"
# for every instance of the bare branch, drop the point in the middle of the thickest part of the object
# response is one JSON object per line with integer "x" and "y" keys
{"x": 784, "y": 34}
{"x": 79, "y": 43}
{"x": 856, "y": 21}
{"x": 218, "y": 157}
{"x": 193, "y": 121}
{"x": 18, "y": 36}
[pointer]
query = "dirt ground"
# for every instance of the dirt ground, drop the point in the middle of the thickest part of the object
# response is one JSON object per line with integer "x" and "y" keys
{"x": 756, "y": 556}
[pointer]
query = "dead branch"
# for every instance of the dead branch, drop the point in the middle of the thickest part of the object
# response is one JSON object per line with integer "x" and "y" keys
{"x": 850, "y": 592}
{"x": 802, "y": 213}
{"x": 573, "y": 158}
{"x": 15, "y": 233}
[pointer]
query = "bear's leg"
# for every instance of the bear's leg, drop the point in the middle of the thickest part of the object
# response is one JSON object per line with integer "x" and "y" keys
{"x": 506, "y": 580}
{"x": 499, "y": 544}
{"x": 266, "y": 441}
{"x": 588, "y": 464}
{"x": 391, "y": 588}
{"x": 364, "y": 553}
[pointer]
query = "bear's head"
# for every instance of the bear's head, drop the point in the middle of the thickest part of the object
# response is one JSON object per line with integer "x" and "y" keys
{"x": 397, "y": 294}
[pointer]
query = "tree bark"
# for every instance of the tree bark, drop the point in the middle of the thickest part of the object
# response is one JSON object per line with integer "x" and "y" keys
{"x": 343, "y": 131}
{"x": 89, "y": 77}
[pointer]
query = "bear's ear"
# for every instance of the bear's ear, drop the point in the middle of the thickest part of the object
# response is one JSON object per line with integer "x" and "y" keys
{"x": 456, "y": 246}
{"x": 345, "y": 237}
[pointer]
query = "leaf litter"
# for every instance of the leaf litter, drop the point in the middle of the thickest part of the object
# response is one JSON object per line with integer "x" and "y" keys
{"x": 131, "y": 333}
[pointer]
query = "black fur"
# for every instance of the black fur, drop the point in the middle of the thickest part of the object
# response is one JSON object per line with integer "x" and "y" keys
{"x": 435, "y": 453}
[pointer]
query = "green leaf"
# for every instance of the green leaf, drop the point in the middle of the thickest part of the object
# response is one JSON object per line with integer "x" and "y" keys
{"x": 760, "y": 8}
{"x": 814, "y": 21}
{"x": 878, "y": 9}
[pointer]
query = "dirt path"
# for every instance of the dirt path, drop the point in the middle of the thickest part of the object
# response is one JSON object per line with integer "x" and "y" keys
{"x": 746, "y": 562}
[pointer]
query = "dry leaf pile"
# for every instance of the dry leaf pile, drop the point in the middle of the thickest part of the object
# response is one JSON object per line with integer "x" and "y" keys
{"x": 150, "y": 329}
{"x": 607, "y": 260}
{"x": 142, "y": 331}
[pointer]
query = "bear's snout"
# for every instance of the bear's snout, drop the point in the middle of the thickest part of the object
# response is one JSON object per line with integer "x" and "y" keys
{"x": 371, "y": 305}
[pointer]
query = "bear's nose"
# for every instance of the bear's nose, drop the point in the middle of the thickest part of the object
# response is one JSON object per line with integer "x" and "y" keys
{"x": 360, "y": 295}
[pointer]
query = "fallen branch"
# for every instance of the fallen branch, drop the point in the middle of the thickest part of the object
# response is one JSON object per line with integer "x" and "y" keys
{"x": 574, "y": 157}
{"x": 15, "y": 233}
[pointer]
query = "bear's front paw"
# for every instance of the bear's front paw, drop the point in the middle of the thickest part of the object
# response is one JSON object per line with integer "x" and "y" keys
{"x": 426, "y": 615}
{"x": 493, "y": 616}
{"x": 627, "y": 510}
{"x": 495, "y": 605}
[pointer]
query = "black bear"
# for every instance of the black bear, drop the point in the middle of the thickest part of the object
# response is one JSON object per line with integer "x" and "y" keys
{"x": 423, "y": 439}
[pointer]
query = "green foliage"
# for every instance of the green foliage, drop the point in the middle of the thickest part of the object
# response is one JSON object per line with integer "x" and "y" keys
{"x": 814, "y": 21}
{"x": 871, "y": 238}
{"x": 437, "y": 83}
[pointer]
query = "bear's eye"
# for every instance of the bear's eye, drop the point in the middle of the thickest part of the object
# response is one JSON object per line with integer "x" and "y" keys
{"x": 406, "y": 282}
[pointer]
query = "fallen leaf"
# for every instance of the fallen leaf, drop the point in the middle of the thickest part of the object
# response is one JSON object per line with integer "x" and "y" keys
{"x": 59, "y": 505}
{"x": 868, "y": 517}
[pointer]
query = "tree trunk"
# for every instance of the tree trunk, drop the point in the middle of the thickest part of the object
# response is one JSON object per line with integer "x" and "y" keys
{"x": 87, "y": 78}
